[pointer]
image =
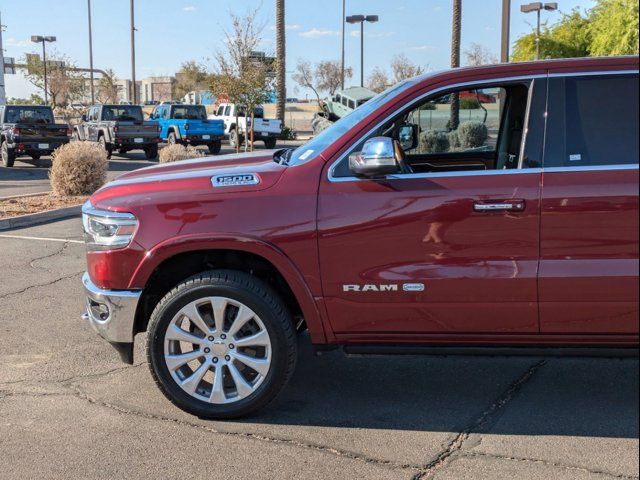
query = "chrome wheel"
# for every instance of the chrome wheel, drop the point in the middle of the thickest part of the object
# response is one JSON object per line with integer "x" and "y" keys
{"x": 217, "y": 350}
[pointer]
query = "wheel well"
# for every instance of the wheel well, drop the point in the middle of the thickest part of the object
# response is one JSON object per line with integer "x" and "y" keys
{"x": 180, "y": 267}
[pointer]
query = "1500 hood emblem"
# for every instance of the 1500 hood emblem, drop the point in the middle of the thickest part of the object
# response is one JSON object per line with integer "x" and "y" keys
{"x": 235, "y": 179}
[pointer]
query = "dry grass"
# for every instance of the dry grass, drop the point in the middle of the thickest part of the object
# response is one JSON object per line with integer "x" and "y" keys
{"x": 13, "y": 207}
{"x": 175, "y": 153}
{"x": 78, "y": 168}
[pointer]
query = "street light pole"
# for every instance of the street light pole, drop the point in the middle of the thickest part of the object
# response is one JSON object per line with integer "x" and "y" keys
{"x": 506, "y": 19}
{"x": 538, "y": 37}
{"x": 342, "y": 58}
{"x": 133, "y": 56}
{"x": 43, "y": 39}
{"x": 538, "y": 7}
{"x": 90, "y": 52}
{"x": 361, "y": 19}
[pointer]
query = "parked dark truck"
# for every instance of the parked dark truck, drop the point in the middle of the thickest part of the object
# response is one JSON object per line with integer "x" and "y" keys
{"x": 389, "y": 232}
{"x": 119, "y": 127}
{"x": 29, "y": 130}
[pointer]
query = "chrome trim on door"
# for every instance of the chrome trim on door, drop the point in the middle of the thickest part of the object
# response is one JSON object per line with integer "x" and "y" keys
{"x": 593, "y": 168}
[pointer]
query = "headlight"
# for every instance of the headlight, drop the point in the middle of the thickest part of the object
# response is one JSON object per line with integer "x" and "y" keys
{"x": 105, "y": 230}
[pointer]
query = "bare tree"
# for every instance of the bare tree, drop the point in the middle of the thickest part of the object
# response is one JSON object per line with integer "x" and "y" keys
{"x": 378, "y": 81}
{"x": 64, "y": 83}
{"x": 281, "y": 88}
{"x": 244, "y": 79}
{"x": 477, "y": 55}
{"x": 403, "y": 68}
{"x": 456, "y": 27}
{"x": 324, "y": 77}
{"x": 107, "y": 91}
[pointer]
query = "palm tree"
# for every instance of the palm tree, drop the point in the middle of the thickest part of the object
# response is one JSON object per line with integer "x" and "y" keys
{"x": 281, "y": 89}
{"x": 456, "y": 27}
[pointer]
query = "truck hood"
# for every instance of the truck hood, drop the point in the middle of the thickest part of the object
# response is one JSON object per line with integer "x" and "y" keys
{"x": 194, "y": 180}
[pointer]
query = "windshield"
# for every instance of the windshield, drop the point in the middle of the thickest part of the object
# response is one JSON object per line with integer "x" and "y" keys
{"x": 189, "y": 112}
{"x": 29, "y": 115}
{"x": 124, "y": 113}
{"x": 321, "y": 141}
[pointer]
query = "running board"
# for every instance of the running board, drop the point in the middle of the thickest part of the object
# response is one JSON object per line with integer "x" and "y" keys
{"x": 491, "y": 351}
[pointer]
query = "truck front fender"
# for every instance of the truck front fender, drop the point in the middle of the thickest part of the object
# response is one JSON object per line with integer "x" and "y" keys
{"x": 269, "y": 252}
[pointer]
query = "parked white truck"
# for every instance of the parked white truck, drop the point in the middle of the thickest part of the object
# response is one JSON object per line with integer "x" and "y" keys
{"x": 237, "y": 124}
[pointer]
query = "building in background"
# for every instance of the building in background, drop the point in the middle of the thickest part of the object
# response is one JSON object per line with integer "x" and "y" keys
{"x": 124, "y": 90}
{"x": 157, "y": 89}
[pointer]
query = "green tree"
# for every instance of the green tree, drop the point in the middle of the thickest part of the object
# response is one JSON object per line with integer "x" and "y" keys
{"x": 191, "y": 76}
{"x": 32, "y": 100}
{"x": 614, "y": 28}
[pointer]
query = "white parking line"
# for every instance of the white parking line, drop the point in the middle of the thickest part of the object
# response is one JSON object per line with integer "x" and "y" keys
{"x": 44, "y": 239}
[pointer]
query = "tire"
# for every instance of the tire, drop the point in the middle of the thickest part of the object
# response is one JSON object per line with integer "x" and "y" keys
{"x": 35, "y": 156}
{"x": 235, "y": 140}
{"x": 8, "y": 155}
{"x": 151, "y": 152}
{"x": 270, "y": 143}
{"x": 107, "y": 148}
{"x": 171, "y": 139}
{"x": 266, "y": 312}
{"x": 214, "y": 147}
{"x": 122, "y": 151}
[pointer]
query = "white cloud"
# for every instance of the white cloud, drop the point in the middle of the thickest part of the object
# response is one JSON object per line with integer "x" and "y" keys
{"x": 291, "y": 26}
{"x": 189, "y": 8}
{"x": 14, "y": 42}
{"x": 356, "y": 33}
{"x": 318, "y": 32}
{"x": 422, "y": 48}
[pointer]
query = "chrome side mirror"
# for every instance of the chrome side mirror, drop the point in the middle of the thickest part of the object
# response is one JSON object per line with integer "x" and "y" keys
{"x": 376, "y": 158}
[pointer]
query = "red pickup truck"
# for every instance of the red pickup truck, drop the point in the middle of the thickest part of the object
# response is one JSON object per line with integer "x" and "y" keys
{"x": 396, "y": 230}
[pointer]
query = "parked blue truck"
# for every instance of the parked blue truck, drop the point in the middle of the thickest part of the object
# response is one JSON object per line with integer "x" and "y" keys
{"x": 188, "y": 125}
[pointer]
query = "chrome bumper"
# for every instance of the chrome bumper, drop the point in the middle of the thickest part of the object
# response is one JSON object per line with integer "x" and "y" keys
{"x": 111, "y": 313}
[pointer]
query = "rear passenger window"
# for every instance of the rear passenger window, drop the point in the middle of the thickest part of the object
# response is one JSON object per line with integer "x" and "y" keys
{"x": 593, "y": 121}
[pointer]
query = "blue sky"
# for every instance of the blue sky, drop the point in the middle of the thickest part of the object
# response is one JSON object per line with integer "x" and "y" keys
{"x": 173, "y": 31}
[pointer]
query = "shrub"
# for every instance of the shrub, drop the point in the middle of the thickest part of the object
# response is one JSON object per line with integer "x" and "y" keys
{"x": 78, "y": 168}
{"x": 469, "y": 103}
{"x": 454, "y": 140}
{"x": 429, "y": 106}
{"x": 472, "y": 134}
{"x": 433, "y": 141}
{"x": 288, "y": 133}
{"x": 177, "y": 152}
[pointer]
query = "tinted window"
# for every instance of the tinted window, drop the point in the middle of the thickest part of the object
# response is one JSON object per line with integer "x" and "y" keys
{"x": 592, "y": 121}
{"x": 29, "y": 115}
{"x": 189, "y": 112}
{"x": 227, "y": 110}
{"x": 125, "y": 113}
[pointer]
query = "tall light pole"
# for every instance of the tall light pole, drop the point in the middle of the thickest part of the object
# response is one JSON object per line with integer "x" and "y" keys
{"x": 43, "y": 39}
{"x": 133, "y": 56}
{"x": 504, "y": 41}
{"x": 342, "y": 18}
{"x": 361, "y": 19}
{"x": 538, "y": 7}
{"x": 90, "y": 52}
{"x": 3, "y": 95}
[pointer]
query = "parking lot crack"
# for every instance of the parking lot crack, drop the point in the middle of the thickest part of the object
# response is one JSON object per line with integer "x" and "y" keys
{"x": 247, "y": 435}
{"x": 456, "y": 444}
{"x": 549, "y": 463}
{"x": 49, "y": 255}
{"x": 38, "y": 285}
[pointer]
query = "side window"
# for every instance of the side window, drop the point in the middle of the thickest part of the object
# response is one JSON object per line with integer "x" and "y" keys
{"x": 227, "y": 110}
{"x": 165, "y": 113}
{"x": 344, "y": 101}
{"x": 1, "y": 114}
{"x": 220, "y": 111}
{"x": 352, "y": 104}
{"x": 592, "y": 121}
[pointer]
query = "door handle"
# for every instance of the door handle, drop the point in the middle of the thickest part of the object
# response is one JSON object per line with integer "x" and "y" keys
{"x": 499, "y": 206}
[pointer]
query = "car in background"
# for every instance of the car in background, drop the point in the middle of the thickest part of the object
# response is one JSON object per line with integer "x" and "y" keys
{"x": 346, "y": 101}
{"x": 29, "y": 130}
{"x": 119, "y": 127}
{"x": 237, "y": 124}
{"x": 188, "y": 125}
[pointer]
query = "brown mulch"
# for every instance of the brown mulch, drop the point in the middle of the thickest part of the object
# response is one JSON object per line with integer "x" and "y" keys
{"x": 13, "y": 207}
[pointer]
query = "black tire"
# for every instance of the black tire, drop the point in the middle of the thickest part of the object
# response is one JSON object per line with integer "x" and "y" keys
{"x": 249, "y": 291}
{"x": 122, "y": 151}
{"x": 235, "y": 140}
{"x": 171, "y": 139}
{"x": 35, "y": 156}
{"x": 151, "y": 152}
{"x": 270, "y": 143}
{"x": 8, "y": 155}
{"x": 107, "y": 148}
{"x": 214, "y": 147}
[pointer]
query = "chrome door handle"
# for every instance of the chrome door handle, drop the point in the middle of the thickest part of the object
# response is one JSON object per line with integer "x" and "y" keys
{"x": 507, "y": 206}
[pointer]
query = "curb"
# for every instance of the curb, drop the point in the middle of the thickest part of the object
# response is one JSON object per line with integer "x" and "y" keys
{"x": 32, "y": 219}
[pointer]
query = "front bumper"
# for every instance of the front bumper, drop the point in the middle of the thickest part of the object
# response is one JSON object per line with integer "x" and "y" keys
{"x": 111, "y": 313}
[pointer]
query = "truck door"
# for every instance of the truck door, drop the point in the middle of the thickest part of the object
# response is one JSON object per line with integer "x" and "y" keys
{"x": 589, "y": 224}
{"x": 451, "y": 245}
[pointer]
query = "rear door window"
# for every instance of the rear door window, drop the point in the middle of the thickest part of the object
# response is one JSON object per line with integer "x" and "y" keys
{"x": 592, "y": 121}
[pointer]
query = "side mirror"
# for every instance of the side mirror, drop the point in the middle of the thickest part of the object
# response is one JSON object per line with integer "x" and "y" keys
{"x": 376, "y": 158}
{"x": 407, "y": 136}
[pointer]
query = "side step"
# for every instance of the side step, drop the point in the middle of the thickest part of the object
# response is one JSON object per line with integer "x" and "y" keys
{"x": 443, "y": 350}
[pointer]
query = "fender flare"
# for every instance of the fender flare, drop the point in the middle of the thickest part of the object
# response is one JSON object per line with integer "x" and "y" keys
{"x": 198, "y": 242}
{"x": 105, "y": 132}
{"x": 80, "y": 132}
{"x": 175, "y": 130}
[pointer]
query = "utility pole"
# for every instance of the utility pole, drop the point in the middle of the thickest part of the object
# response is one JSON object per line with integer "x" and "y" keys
{"x": 3, "y": 96}
{"x": 506, "y": 19}
{"x": 342, "y": 57}
{"x": 133, "y": 57}
{"x": 90, "y": 52}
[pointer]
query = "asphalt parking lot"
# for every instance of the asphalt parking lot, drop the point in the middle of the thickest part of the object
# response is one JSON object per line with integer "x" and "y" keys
{"x": 70, "y": 409}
